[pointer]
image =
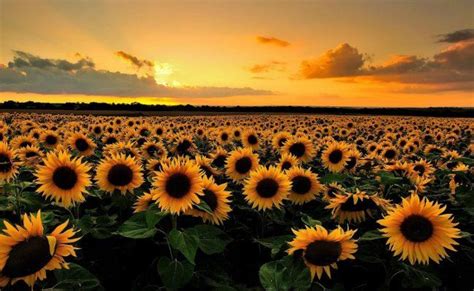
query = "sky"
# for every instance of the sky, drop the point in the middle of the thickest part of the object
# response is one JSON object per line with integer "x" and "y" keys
{"x": 376, "y": 53}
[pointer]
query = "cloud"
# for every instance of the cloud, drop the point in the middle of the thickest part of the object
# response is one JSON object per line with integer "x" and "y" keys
{"x": 25, "y": 60}
{"x": 268, "y": 67}
{"x": 456, "y": 36}
{"x": 450, "y": 69}
{"x": 134, "y": 61}
{"x": 272, "y": 41}
{"x": 342, "y": 61}
{"x": 32, "y": 74}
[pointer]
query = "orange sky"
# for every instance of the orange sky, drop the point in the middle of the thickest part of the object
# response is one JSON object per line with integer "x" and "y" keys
{"x": 321, "y": 53}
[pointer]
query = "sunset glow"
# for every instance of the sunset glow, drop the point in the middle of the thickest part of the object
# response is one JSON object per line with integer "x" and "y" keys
{"x": 318, "y": 53}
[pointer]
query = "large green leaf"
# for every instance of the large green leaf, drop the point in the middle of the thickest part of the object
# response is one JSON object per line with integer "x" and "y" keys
{"x": 141, "y": 225}
{"x": 212, "y": 240}
{"x": 186, "y": 242}
{"x": 275, "y": 243}
{"x": 76, "y": 278}
{"x": 288, "y": 273}
{"x": 371, "y": 235}
{"x": 175, "y": 274}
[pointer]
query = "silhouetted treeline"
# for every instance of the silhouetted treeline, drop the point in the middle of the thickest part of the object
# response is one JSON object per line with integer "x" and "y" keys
{"x": 138, "y": 107}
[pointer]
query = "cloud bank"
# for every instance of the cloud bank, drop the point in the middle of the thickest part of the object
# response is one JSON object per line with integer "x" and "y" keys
{"x": 28, "y": 73}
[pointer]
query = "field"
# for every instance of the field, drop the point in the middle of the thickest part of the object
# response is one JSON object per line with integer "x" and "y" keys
{"x": 236, "y": 202}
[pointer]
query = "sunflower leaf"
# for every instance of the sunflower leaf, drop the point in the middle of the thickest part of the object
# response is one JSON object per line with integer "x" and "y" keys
{"x": 212, "y": 240}
{"x": 136, "y": 227}
{"x": 203, "y": 206}
{"x": 186, "y": 242}
{"x": 174, "y": 274}
{"x": 289, "y": 273}
{"x": 371, "y": 235}
{"x": 76, "y": 278}
{"x": 309, "y": 221}
{"x": 333, "y": 177}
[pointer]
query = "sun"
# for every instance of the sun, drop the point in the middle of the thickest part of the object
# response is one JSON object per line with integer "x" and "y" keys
{"x": 162, "y": 73}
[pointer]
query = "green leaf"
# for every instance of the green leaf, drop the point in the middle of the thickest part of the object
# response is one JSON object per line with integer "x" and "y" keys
{"x": 288, "y": 273}
{"x": 387, "y": 178}
{"x": 417, "y": 278}
{"x": 212, "y": 240}
{"x": 275, "y": 243}
{"x": 173, "y": 273}
{"x": 371, "y": 235}
{"x": 333, "y": 177}
{"x": 309, "y": 221}
{"x": 137, "y": 227}
{"x": 153, "y": 216}
{"x": 76, "y": 278}
{"x": 186, "y": 242}
{"x": 203, "y": 206}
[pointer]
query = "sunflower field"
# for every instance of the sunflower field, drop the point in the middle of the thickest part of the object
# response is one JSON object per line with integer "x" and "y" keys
{"x": 236, "y": 202}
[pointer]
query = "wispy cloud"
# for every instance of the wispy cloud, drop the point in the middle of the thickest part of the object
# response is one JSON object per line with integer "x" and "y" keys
{"x": 456, "y": 36}
{"x": 272, "y": 41}
{"x": 268, "y": 67}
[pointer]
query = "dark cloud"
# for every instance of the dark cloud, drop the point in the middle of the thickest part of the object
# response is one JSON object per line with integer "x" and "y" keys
{"x": 136, "y": 62}
{"x": 268, "y": 67}
{"x": 456, "y": 36}
{"x": 32, "y": 74}
{"x": 342, "y": 61}
{"x": 272, "y": 41}
{"x": 450, "y": 69}
{"x": 25, "y": 60}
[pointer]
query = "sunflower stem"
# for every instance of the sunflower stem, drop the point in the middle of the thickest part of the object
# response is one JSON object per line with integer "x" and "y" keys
{"x": 174, "y": 221}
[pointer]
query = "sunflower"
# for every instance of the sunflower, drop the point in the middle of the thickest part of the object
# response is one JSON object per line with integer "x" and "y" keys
{"x": 355, "y": 206}
{"x": 240, "y": 163}
{"x": 300, "y": 147}
{"x": 250, "y": 139}
{"x": 354, "y": 159}
{"x": 143, "y": 202}
{"x": 8, "y": 166}
{"x": 423, "y": 168}
{"x": 331, "y": 190}
{"x": 184, "y": 145}
{"x": 217, "y": 198}
{"x": 287, "y": 161}
{"x": 321, "y": 250}
{"x": 219, "y": 157}
{"x": 304, "y": 185}
{"x": 178, "y": 186}
{"x": 119, "y": 172}
{"x": 81, "y": 143}
{"x": 266, "y": 188}
{"x": 19, "y": 142}
{"x": 50, "y": 139}
{"x": 63, "y": 179}
{"x": 153, "y": 150}
{"x": 30, "y": 156}
{"x": 335, "y": 156}
{"x": 418, "y": 230}
{"x": 279, "y": 139}
{"x": 205, "y": 166}
{"x": 26, "y": 253}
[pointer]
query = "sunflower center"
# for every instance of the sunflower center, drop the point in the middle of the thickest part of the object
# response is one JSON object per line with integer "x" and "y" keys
{"x": 420, "y": 169}
{"x": 65, "y": 178}
{"x": 30, "y": 154}
{"x": 390, "y": 154}
{"x": 5, "y": 163}
{"x": 286, "y": 165}
{"x": 297, "y": 149}
{"x": 210, "y": 198}
{"x": 243, "y": 165}
{"x": 335, "y": 156}
{"x": 25, "y": 144}
{"x": 51, "y": 140}
{"x": 252, "y": 139}
{"x": 224, "y": 136}
{"x": 111, "y": 140}
{"x": 27, "y": 257}
{"x": 151, "y": 150}
{"x": 322, "y": 252}
{"x": 120, "y": 175}
{"x": 207, "y": 170}
{"x": 219, "y": 161}
{"x": 361, "y": 205}
{"x": 282, "y": 141}
{"x": 301, "y": 185}
{"x": 183, "y": 146}
{"x": 351, "y": 163}
{"x": 416, "y": 228}
{"x": 81, "y": 144}
{"x": 178, "y": 185}
{"x": 267, "y": 188}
